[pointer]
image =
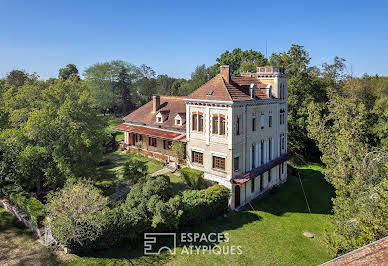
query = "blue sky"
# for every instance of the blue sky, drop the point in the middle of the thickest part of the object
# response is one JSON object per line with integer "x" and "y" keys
{"x": 175, "y": 36}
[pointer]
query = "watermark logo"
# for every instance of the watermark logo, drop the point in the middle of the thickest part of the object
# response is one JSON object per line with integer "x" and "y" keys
{"x": 150, "y": 241}
{"x": 190, "y": 244}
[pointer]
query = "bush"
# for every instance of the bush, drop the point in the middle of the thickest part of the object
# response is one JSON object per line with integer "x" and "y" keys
{"x": 200, "y": 205}
{"x": 193, "y": 178}
{"x": 134, "y": 169}
{"x": 179, "y": 149}
{"x": 149, "y": 207}
{"x": 33, "y": 207}
{"x": 77, "y": 215}
{"x": 110, "y": 143}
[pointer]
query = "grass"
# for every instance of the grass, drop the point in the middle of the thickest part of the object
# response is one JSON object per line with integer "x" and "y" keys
{"x": 113, "y": 162}
{"x": 17, "y": 244}
{"x": 177, "y": 183}
{"x": 270, "y": 233}
{"x": 114, "y": 121}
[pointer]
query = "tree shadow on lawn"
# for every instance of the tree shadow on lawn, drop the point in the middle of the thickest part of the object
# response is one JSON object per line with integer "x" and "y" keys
{"x": 290, "y": 197}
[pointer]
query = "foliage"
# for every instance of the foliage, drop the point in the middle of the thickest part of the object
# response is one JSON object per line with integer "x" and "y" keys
{"x": 200, "y": 205}
{"x": 33, "y": 207}
{"x": 179, "y": 149}
{"x": 76, "y": 214}
{"x": 134, "y": 169}
{"x": 52, "y": 133}
{"x": 17, "y": 78}
{"x": 358, "y": 175}
{"x": 111, "y": 84}
{"x": 193, "y": 178}
{"x": 66, "y": 72}
{"x": 242, "y": 61}
{"x": 148, "y": 205}
{"x": 139, "y": 144}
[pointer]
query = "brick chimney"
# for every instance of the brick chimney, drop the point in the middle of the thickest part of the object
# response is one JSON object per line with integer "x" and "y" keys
{"x": 155, "y": 103}
{"x": 225, "y": 73}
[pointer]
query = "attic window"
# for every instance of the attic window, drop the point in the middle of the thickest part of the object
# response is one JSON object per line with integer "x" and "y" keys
{"x": 210, "y": 92}
{"x": 177, "y": 122}
{"x": 159, "y": 119}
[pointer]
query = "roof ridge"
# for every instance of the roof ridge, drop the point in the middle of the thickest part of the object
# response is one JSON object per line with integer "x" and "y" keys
{"x": 171, "y": 96}
{"x": 223, "y": 83}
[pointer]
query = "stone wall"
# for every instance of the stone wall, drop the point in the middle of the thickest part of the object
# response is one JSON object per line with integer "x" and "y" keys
{"x": 43, "y": 234}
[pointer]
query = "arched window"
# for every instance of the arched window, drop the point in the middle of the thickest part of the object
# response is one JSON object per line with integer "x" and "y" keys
{"x": 215, "y": 124}
{"x": 218, "y": 124}
{"x": 200, "y": 121}
{"x": 194, "y": 121}
{"x": 222, "y": 125}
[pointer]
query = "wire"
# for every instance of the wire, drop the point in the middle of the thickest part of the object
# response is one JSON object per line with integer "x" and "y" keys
{"x": 304, "y": 193}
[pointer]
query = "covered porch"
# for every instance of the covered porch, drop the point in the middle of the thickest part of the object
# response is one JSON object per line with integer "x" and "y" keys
{"x": 151, "y": 142}
{"x": 249, "y": 185}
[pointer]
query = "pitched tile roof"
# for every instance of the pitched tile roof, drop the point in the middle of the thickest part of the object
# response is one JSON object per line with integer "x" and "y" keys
{"x": 238, "y": 89}
{"x": 170, "y": 106}
{"x": 375, "y": 253}
{"x": 152, "y": 132}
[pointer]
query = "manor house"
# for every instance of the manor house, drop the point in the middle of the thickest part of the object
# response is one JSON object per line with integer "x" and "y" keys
{"x": 233, "y": 128}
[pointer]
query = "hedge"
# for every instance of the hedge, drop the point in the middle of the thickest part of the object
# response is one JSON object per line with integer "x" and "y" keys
{"x": 33, "y": 207}
{"x": 200, "y": 205}
{"x": 145, "y": 205}
{"x": 193, "y": 178}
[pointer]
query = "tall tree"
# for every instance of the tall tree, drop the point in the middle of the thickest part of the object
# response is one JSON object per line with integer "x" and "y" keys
{"x": 304, "y": 86}
{"x": 123, "y": 87}
{"x": 18, "y": 77}
{"x": 358, "y": 173}
{"x": 66, "y": 72}
{"x": 104, "y": 79}
{"x": 242, "y": 61}
{"x": 53, "y": 133}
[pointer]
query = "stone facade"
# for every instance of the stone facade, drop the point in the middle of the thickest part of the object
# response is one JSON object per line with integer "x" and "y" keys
{"x": 256, "y": 133}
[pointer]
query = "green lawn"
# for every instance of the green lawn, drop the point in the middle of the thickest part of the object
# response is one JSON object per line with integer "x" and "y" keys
{"x": 177, "y": 183}
{"x": 113, "y": 163}
{"x": 114, "y": 121}
{"x": 272, "y": 233}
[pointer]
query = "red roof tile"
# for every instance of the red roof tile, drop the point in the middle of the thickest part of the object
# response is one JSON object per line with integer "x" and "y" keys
{"x": 170, "y": 106}
{"x": 151, "y": 132}
{"x": 375, "y": 253}
{"x": 236, "y": 90}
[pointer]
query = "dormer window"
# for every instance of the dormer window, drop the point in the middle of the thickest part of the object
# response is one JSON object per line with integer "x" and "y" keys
{"x": 179, "y": 119}
{"x": 159, "y": 118}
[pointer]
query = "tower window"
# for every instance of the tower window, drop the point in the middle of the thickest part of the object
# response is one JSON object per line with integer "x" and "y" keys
{"x": 238, "y": 126}
{"x": 194, "y": 121}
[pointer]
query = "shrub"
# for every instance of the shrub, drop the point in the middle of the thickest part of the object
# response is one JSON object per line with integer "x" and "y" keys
{"x": 193, "y": 178}
{"x": 109, "y": 142}
{"x": 77, "y": 215}
{"x": 139, "y": 144}
{"x": 134, "y": 169}
{"x": 179, "y": 149}
{"x": 33, "y": 207}
{"x": 200, "y": 205}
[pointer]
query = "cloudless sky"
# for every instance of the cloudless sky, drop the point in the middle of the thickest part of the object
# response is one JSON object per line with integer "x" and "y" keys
{"x": 173, "y": 37}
